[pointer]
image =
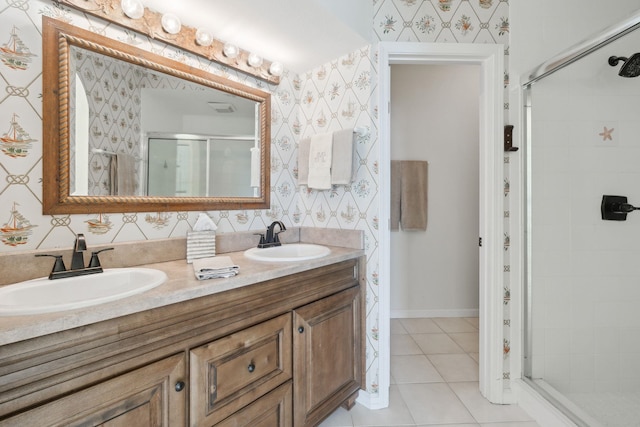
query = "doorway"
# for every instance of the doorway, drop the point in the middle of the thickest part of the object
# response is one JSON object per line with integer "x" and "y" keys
{"x": 435, "y": 119}
{"x": 490, "y": 60}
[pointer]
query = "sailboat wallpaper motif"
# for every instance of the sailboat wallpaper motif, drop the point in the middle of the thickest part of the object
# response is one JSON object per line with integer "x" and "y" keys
{"x": 14, "y": 54}
{"x": 99, "y": 225}
{"x": 17, "y": 229}
{"x": 15, "y": 142}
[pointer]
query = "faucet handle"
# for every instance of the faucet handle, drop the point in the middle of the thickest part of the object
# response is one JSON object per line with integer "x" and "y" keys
{"x": 262, "y": 239}
{"x": 276, "y": 239}
{"x": 58, "y": 265}
{"x": 94, "y": 262}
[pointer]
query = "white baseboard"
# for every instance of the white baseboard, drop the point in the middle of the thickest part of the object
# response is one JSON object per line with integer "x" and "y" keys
{"x": 460, "y": 312}
{"x": 372, "y": 401}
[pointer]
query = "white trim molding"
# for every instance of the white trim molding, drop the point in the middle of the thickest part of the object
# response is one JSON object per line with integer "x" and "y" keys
{"x": 490, "y": 58}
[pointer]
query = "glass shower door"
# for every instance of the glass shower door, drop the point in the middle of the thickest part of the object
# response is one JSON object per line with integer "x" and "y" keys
{"x": 583, "y": 273}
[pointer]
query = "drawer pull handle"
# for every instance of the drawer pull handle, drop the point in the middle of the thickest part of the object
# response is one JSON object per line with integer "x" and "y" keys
{"x": 251, "y": 367}
{"x": 179, "y": 386}
{"x": 301, "y": 329}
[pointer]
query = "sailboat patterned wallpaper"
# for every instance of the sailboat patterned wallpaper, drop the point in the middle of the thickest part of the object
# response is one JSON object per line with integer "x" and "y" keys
{"x": 23, "y": 227}
{"x": 339, "y": 94}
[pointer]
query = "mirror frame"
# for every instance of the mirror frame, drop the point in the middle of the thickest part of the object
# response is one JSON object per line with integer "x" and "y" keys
{"x": 57, "y": 38}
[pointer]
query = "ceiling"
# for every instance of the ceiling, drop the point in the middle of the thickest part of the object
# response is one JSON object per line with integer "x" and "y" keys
{"x": 301, "y": 34}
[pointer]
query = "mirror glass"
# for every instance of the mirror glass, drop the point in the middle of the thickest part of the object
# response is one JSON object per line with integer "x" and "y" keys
{"x": 147, "y": 133}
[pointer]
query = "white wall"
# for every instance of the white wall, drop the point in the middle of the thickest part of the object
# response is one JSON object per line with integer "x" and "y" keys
{"x": 435, "y": 117}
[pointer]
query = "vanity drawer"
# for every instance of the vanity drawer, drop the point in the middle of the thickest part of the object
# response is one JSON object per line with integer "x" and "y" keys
{"x": 272, "y": 410}
{"x": 229, "y": 373}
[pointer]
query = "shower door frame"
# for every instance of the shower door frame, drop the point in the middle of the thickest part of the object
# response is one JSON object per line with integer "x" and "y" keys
{"x": 490, "y": 58}
{"x": 532, "y": 397}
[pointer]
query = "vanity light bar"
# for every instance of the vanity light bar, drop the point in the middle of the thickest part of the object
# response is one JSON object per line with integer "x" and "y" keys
{"x": 188, "y": 38}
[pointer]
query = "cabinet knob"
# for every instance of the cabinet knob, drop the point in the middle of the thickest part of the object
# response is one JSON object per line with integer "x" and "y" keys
{"x": 251, "y": 367}
{"x": 301, "y": 329}
{"x": 179, "y": 386}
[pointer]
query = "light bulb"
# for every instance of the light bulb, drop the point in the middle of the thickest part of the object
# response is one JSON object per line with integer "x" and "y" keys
{"x": 276, "y": 69}
{"x": 132, "y": 8}
{"x": 254, "y": 60}
{"x": 230, "y": 51}
{"x": 171, "y": 23}
{"x": 203, "y": 37}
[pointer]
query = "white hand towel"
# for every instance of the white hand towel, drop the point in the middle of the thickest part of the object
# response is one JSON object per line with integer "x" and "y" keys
{"x": 320, "y": 161}
{"x": 303, "y": 161}
{"x": 214, "y": 268}
{"x": 255, "y": 167}
{"x": 342, "y": 157}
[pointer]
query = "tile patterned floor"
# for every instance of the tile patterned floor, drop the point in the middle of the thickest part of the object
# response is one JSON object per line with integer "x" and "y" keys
{"x": 434, "y": 381}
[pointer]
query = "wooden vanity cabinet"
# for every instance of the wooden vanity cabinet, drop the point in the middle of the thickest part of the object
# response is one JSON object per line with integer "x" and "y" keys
{"x": 283, "y": 352}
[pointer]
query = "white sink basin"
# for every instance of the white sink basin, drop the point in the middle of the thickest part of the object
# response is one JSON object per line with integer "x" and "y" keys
{"x": 46, "y": 296}
{"x": 288, "y": 252}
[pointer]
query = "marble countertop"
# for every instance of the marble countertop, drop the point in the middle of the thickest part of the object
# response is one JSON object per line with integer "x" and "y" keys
{"x": 180, "y": 286}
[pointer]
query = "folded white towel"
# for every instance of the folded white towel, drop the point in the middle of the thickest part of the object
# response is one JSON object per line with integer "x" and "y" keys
{"x": 342, "y": 157}
{"x": 255, "y": 167}
{"x": 214, "y": 268}
{"x": 303, "y": 161}
{"x": 320, "y": 161}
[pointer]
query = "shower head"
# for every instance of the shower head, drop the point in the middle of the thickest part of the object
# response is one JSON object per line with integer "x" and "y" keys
{"x": 631, "y": 66}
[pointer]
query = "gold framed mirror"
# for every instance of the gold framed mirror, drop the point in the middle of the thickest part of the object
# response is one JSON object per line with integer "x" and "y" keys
{"x": 114, "y": 143}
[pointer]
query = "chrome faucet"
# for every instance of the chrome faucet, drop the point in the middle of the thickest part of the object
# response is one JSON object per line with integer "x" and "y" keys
{"x": 77, "y": 261}
{"x": 271, "y": 238}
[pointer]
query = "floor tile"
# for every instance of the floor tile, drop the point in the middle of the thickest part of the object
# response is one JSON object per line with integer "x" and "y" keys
{"x": 455, "y": 367}
{"x": 397, "y": 328}
{"x": 449, "y": 425}
{"x": 434, "y": 381}
{"x": 484, "y": 411}
{"x": 437, "y": 344}
{"x": 397, "y": 414}
{"x": 420, "y": 326}
{"x": 340, "y": 418}
{"x": 511, "y": 424}
{"x": 454, "y": 324}
{"x": 475, "y": 321}
{"x": 414, "y": 369}
{"x": 469, "y": 341}
{"x": 434, "y": 403}
{"x": 404, "y": 344}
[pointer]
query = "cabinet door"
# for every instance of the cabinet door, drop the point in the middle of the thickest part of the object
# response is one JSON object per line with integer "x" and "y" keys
{"x": 230, "y": 373}
{"x": 327, "y": 354}
{"x": 154, "y": 395}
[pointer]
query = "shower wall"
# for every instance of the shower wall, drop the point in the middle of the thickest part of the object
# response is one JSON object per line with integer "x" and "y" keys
{"x": 585, "y": 272}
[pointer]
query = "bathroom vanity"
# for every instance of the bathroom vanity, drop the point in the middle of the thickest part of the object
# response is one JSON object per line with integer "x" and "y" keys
{"x": 281, "y": 344}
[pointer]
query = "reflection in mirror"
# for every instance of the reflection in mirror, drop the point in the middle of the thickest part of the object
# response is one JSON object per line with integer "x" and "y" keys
{"x": 117, "y": 103}
{"x": 146, "y": 133}
{"x": 192, "y": 165}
